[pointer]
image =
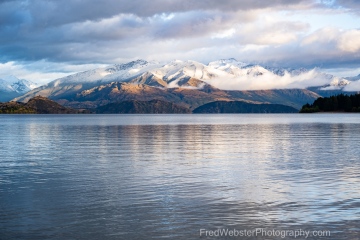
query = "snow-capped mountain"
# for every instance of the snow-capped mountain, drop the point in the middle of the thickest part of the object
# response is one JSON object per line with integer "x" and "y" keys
{"x": 227, "y": 65}
{"x": 336, "y": 84}
{"x": 227, "y": 74}
{"x": 117, "y": 72}
{"x": 284, "y": 71}
{"x": 177, "y": 73}
{"x": 23, "y": 86}
{"x": 224, "y": 75}
{"x": 11, "y": 87}
{"x": 13, "y": 84}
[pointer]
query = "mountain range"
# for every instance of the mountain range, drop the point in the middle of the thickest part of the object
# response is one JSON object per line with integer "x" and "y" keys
{"x": 12, "y": 87}
{"x": 190, "y": 84}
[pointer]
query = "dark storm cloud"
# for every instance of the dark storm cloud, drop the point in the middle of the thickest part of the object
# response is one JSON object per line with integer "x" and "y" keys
{"x": 58, "y": 12}
{"x": 85, "y": 31}
{"x": 45, "y": 13}
{"x": 36, "y": 29}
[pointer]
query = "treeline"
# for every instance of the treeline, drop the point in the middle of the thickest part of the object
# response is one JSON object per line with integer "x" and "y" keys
{"x": 339, "y": 103}
{"x": 243, "y": 107}
{"x": 36, "y": 105}
{"x": 13, "y": 108}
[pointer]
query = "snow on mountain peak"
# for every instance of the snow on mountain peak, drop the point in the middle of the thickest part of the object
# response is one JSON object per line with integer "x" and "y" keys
{"x": 116, "y": 72}
{"x": 336, "y": 84}
{"x": 23, "y": 86}
{"x": 283, "y": 71}
{"x": 130, "y": 65}
{"x": 227, "y": 74}
{"x": 13, "y": 84}
{"x": 177, "y": 70}
{"x": 231, "y": 66}
{"x": 227, "y": 63}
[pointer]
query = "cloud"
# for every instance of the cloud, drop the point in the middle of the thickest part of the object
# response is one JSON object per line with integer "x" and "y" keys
{"x": 352, "y": 5}
{"x": 113, "y": 31}
{"x": 269, "y": 80}
{"x": 102, "y": 40}
{"x": 350, "y": 41}
{"x": 268, "y": 31}
{"x": 352, "y": 87}
{"x": 321, "y": 36}
{"x": 346, "y": 41}
{"x": 59, "y": 12}
{"x": 42, "y": 71}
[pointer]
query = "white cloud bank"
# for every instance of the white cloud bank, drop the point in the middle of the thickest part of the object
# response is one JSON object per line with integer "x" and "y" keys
{"x": 269, "y": 80}
{"x": 353, "y": 87}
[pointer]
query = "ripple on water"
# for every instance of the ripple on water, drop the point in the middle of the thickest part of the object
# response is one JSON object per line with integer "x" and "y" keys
{"x": 132, "y": 177}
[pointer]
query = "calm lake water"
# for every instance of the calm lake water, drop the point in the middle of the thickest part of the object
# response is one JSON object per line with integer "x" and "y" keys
{"x": 168, "y": 176}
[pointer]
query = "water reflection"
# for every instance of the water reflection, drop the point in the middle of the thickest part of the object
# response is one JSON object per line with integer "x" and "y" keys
{"x": 60, "y": 179}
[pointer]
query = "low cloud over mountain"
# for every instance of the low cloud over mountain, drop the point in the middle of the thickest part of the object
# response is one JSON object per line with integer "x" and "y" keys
{"x": 188, "y": 82}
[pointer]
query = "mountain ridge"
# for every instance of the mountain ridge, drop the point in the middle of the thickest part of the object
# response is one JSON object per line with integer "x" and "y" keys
{"x": 12, "y": 87}
{"x": 188, "y": 83}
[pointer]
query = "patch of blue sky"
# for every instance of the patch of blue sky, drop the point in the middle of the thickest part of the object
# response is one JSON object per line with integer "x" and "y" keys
{"x": 317, "y": 19}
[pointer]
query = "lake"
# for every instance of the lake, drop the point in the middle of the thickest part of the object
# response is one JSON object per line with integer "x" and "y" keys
{"x": 179, "y": 176}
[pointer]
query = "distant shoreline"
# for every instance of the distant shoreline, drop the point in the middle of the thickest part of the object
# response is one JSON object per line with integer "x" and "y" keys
{"x": 42, "y": 105}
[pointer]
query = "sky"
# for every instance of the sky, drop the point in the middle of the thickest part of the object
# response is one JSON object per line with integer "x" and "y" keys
{"x": 41, "y": 40}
